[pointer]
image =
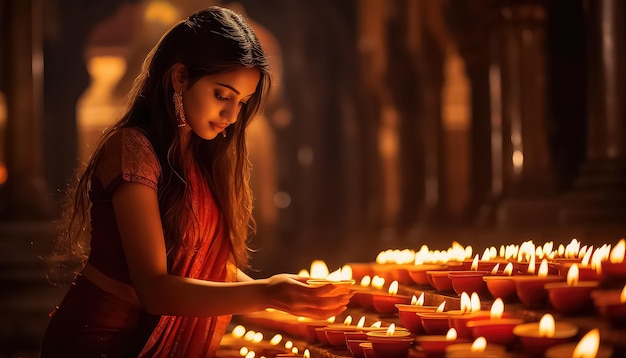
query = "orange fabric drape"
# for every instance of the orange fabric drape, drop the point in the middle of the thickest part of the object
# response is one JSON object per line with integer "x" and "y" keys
{"x": 176, "y": 336}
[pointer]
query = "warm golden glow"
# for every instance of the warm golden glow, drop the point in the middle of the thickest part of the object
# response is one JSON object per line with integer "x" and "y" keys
{"x": 243, "y": 351}
{"x": 622, "y": 296}
{"x": 4, "y": 174}
{"x": 361, "y": 322}
{"x": 366, "y": 281}
{"x": 451, "y": 335}
{"x": 497, "y": 309}
{"x": 304, "y": 273}
{"x": 479, "y": 345}
{"x": 617, "y": 254}
{"x": 441, "y": 307}
{"x": 294, "y": 350}
{"x": 161, "y": 12}
{"x": 547, "y": 326}
{"x": 257, "y": 338}
{"x": 466, "y": 303}
{"x": 531, "y": 265}
{"x": 417, "y": 301}
{"x": 572, "y": 275}
{"x": 319, "y": 269}
{"x": 588, "y": 346}
{"x": 393, "y": 288}
{"x": 508, "y": 269}
{"x": 276, "y": 339}
{"x": 346, "y": 272}
{"x": 250, "y": 354}
{"x": 348, "y": 320}
{"x": 543, "y": 268}
{"x": 331, "y": 319}
{"x": 288, "y": 345}
{"x": 249, "y": 336}
{"x": 391, "y": 329}
{"x": 475, "y": 302}
{"x": 587, "y": 258}
{"x": 307, "y": 354}
{"x": 238, "y": 331}
{"x": 475, "y": 264}
{"x": 376, "y": 324}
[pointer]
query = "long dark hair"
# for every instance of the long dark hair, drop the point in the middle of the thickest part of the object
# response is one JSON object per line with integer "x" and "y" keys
{"x": 211, "y": 41}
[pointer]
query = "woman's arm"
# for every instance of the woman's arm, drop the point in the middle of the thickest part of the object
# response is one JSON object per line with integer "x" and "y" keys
{"x": 137, "y": 213}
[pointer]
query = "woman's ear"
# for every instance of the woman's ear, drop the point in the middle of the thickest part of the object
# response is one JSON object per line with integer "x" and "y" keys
{"x": 179, "y": 77}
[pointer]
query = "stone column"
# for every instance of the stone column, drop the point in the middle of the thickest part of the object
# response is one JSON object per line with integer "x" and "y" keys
{"x": 528, "y": 180}
{"x": 599, "y": 192}
{"x": 25, "y": 194}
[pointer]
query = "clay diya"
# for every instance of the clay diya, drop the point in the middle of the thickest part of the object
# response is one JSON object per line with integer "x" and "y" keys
{"x": 573, "y": 296}
{"x": 391, "y": 343}
{"x": 440, "y": 280}
{"x": 478, "y": 348}
{"x": 434, "y": 346}
{"x": 612, "y": 305}
{"x": 588, "y": 347}
{"x": 531, "y": 289}
{"x": 537, "y": 337}
{"x": 408, "y": 316}
{"x": 496, "y": 329}
{"x": 614, "y": 269}
{"x": 386, "y": 303}
{"x": 417, "y": 273}
{"x": 469, "y": 281}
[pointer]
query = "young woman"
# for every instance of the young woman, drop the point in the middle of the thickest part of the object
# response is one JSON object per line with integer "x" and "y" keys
{"x": 166, "y": 207}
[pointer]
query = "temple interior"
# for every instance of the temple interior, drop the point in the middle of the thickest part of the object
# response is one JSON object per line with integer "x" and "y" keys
{"x": 392, "y": 125}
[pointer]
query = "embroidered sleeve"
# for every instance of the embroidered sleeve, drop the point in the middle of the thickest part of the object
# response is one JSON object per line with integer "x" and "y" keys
{"x": 129, "y": 156}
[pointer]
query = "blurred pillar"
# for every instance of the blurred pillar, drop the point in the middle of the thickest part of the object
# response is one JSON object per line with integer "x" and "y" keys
{"x": 599, "y": 193}
{"x": 528, "y": 181}
{"x": 25, "y": 193}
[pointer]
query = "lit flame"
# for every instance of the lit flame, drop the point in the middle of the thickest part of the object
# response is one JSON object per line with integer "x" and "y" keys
{"x": 288, "y": 345}
{"x": 276, "y": 339}
{"x": 618, "y": 252}
{"x": 466, "y": 303}
{"x": 257, "y": 338}
{"x": 508, "y": 269}
{"x": 376, "y": 324}
{"x": 250, "y": 354}
{"x": 531, "y": 265}
{"x": 361, "y": 322}
{"x": 294, "y": 350}
{"x": 451, "y": 335}
{"x": 390, "y": 330}
{"x": 348, "y": 320}
{"x": 479, "y": 345}
{"x": 497, "y": 309}
{"x": 243, "y": 351}
{"x": 475, "y": 302}
{"x": 393, "y": 288}
{"x": 304, "y": 273}
{"x": 547, "y": 326}
{"x": 238, "y": 331}
{"x": 495, "y": 269}
{"x": 346, "y": 272}
{"x": 441, "y": 307}
{"x": 572, "y": 275}
{"x": 366, "y": 281}
{"x": 543, "y": 268}
{"x": 378, "y": 282}
{"x": 622, "y": 296}
{"x": 249, "y": 336}
{"x": 474, "y": 263}
{"x": 319, "y": 269}
{"x": 588, "y": 346}
{"x": 418, "y": 301}
{"x": 307, "y": 354}
{"x": 331, "y": 319}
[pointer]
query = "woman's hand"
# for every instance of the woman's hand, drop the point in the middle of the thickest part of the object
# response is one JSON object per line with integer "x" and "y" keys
{"x": 288, "y": 293}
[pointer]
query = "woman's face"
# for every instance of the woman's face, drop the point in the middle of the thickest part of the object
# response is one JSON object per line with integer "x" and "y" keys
{"x": 213, "y": 102}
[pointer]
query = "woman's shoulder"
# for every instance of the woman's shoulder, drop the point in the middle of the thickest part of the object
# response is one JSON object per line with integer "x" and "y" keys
{"x": 129, "y": 137}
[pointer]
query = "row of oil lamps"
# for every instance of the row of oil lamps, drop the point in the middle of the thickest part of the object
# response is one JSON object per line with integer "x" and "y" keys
{"x": 569, "y": 279}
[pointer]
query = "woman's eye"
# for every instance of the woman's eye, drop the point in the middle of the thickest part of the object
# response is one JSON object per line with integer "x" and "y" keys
{"x": 221, "y": 98}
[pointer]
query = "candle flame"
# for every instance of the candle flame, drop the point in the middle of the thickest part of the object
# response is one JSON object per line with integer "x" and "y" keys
{"x": 547, "y": 326}
{"x": 304, "y": 273}
{"x": 479, "y": 345}
{"x": 393, "y": 288}
{"x": 474, "y": 264}
{"x": 543, "y": 268}
{"x": 361, "y": 322}
{"x": 288, "y": 345}
{"x": 466, "y": 303}
{"x": 294, "y": 350}
{"x": 238, "y": 331}
{"x": 618, "y": 252}
{"x": 418, "y": 301}
{"x": 622, "y": 296}
{"x": 276, "y": 339}
{"x": 587, "y": 258}
{"x": 243, "y": 351}
{"x": 441, "y": 307}
{"x": 250, "y": 354}
{"x": 475, "y": 302}
{"x": 348, "y": 320}
{"x": 331, "y": 319}
{"x": 366, "y": 281}
{"x": 376, "y": 324}
{"x": 588, "y": 346}
{"x": 531, "y": 265}
{"x": 249, "y": 336}
{"x": 390, "y": 330}
{"x": 451, "y": 335}
{"x": 307, "y": 353}
{"x": 257, "y": 338}
{"x": 572, "y": 275}
{"x": 378, "y": 282}
{"x": 495, "y": 269}
{"x": 319, "y": 269}
{"x": 508, "y": 269}
{"x": 497, "y": 309}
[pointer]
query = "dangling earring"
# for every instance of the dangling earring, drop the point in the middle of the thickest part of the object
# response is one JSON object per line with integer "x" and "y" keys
{"x": 224, "y": 133}
{"x": 179, "y": 110}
